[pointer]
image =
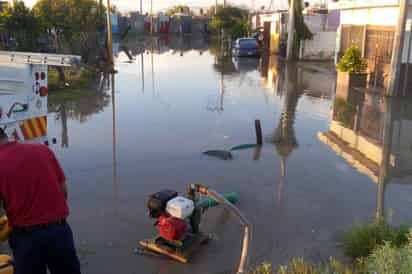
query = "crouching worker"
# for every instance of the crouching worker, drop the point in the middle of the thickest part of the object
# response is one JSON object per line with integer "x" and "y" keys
{"x": 33, "y": 189}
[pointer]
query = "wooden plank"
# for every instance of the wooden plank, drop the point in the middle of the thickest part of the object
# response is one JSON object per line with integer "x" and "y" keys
{"x": 151, "y": 245}
{"x": 190, "y": 245}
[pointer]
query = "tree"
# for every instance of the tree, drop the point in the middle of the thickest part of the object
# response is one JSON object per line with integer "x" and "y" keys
{"x": 21, "y": 24}
{"x": 179, "y": 9}
{"x": 232, "y": 20}
{"x": 71, "y": 22}
{"x": 298, "y": 26}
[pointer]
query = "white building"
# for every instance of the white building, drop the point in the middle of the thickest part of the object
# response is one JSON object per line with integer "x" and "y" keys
{"x": 371, "y": 25}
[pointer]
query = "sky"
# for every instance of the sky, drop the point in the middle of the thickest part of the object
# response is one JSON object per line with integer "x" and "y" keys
{"x": 133, "y": 5}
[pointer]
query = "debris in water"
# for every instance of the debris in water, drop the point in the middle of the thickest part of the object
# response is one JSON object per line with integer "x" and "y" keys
{"x": 222, "y": 154}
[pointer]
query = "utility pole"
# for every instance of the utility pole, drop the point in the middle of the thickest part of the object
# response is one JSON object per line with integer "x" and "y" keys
{"x": 151, "y": 17}
{"x": 224, "y": 3}
{"x": 398, "y": 45}
{"x": 291, "y": 31}
{"x": 141, "y": 7}
{"x": 109, "y": 35}
{"x": 383, "y": 176}
{"x": 100, "y": 8}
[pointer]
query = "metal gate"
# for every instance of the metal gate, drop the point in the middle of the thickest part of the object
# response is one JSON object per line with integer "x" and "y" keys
{"x": 351, "y": 35}
{"x": 378, "y": 52}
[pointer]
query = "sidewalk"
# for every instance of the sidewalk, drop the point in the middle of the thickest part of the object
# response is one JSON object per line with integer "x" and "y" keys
{"x": 327, "y": 67}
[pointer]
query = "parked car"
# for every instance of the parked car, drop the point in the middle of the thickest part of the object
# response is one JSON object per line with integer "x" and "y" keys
{"x": 246, "y": 47}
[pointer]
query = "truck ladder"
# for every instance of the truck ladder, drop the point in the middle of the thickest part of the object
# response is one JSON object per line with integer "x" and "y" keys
{"x": 60, "y": 60}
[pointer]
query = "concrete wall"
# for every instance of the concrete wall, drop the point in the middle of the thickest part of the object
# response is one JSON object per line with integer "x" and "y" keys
{"x": 321, "y": 47}
{"x": 384, "y": 16}
{"x": 323, "y": 22}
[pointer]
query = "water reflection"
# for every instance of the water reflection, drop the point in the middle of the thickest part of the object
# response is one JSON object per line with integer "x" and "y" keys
{"x": 163, "y": 44}
{"x": 374, "y": 135}
{"x": 114, "y": 147}
{"x": 284, "y": 137}
{"x": 78, "y": 105}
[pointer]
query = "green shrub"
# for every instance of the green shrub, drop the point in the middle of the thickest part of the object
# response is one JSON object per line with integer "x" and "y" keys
{"x": 76, "y": 78}
{"x": 344, "y": 112}
{"x": 391, "y": 260}
{"x": 360, "y": 241}
{"x": 264, "y": 268}
{"x": 233, "y": 20}
{"x": 300, "y": 266}
{"x": 352, "y": 61}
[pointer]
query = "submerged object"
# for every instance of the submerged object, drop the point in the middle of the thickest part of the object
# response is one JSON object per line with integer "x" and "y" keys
{"x": 222, "y": 154}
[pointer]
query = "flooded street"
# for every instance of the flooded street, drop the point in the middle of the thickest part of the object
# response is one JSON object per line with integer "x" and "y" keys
{"x": 327, "y": 162}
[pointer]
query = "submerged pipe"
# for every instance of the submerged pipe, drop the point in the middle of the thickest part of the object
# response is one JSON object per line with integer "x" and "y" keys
{"x": 244, "y": 221}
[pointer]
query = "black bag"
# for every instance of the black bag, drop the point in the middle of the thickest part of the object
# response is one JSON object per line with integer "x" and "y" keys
{"x": 157, "y": 202}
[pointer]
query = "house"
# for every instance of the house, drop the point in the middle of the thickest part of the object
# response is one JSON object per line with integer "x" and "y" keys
{"x": 371, "y": 26}
{"x": 323, "y": 20}
{"x": 181, "y": 23}
{"x": 136, "y": 22}
{"x": 274, "y": 27}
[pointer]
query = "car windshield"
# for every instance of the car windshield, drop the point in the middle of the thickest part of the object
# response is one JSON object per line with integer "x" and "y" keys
{"x": 248, "y": 43}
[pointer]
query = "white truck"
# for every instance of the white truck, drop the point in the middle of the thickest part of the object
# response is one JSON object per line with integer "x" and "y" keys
{"x": 23, "y": 93}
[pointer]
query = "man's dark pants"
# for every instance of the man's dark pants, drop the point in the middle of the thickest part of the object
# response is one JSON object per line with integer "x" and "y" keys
{"x": 50, "y": 247}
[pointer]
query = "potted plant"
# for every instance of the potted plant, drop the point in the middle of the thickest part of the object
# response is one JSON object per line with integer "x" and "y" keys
{"x": 352, "y": 69}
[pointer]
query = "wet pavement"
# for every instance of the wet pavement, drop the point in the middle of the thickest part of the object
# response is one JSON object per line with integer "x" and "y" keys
{"x": 328, "y": 162}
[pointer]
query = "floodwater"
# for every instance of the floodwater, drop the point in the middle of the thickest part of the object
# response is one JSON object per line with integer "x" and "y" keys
{"x": 328, "y": 162}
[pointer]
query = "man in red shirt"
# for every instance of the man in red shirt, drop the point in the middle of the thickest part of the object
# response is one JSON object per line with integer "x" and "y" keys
{"x": 33, "y": 189}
